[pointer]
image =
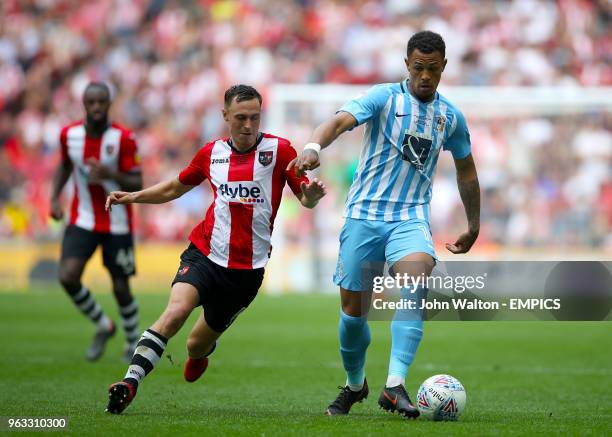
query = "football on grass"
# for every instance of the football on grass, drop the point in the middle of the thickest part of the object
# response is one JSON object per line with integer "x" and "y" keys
{"x": 441, "y": 397}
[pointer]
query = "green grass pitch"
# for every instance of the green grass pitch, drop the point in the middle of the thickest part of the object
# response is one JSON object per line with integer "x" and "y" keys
{"x": 278, "y": 366}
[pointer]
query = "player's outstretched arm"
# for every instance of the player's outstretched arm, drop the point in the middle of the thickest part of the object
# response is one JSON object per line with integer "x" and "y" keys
{"x": 322, "y": 137}
{"x": 311, "y": 193}
{"x": 158, "y": 193}
{"x": 469, "y": 189}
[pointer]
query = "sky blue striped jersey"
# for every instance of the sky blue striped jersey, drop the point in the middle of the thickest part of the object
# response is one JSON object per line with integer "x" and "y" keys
{"x": 401, "y": 145}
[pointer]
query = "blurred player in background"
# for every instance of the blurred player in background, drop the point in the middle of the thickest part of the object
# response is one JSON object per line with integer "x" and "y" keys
{"x": 223, "y": 267}
{"x": 387, "y": 210}
{"x": 101, "y": 157}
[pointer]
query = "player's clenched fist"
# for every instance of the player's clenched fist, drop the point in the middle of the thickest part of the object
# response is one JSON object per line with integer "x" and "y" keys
{"x": 117, "y": 198}
{"x": 463, "y": 243}
{"x": 56, "y": 210}
{"x": 307, "y": 160}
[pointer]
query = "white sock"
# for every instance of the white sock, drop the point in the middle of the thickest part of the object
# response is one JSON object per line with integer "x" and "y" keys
{"x": 148, "y": 352}
{"x": 354, "y": 387}
{"x": 394, "y": 381}
{"x": 86, "y": 303}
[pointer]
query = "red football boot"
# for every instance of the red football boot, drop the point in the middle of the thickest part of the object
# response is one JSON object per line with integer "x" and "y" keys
{"x": 120, "y": 394}
{"x": 194, "y": 367}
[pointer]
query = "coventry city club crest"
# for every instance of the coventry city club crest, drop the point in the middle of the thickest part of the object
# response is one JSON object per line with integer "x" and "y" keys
{"x": 265, "y": 158}
{"x": 440, "y": 123}
{"x": 415, "y": 149}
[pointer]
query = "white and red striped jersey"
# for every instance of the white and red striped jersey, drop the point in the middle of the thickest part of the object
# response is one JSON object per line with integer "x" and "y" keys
{"x": 247, "y": 189}
{"x": 116, "y": 149}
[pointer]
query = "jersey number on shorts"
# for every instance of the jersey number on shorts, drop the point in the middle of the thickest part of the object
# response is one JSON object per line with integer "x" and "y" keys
{"x": 125, "y": 259}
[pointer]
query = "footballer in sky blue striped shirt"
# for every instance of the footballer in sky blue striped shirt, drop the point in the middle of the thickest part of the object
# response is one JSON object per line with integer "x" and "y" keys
{"x": 407, "y": 125}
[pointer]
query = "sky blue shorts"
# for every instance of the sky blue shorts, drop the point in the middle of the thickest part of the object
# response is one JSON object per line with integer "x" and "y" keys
{"x": 365, "y": 245}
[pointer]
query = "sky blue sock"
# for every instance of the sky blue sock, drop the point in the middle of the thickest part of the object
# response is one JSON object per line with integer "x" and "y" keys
{"x": 354, "y": 340}
{"x": 406, "y": 334}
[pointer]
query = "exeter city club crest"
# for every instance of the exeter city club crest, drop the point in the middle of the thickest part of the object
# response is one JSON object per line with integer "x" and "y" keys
{"x": 109, "y": 149}
{"x": 265, "y": 158}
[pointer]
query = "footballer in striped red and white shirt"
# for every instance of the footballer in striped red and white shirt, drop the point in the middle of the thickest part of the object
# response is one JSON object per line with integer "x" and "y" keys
{"x": 116, "y": 150}
{"x": 222, "y": 269}
{"x": 247, "y": 188}
{"x": 101, "y": 157}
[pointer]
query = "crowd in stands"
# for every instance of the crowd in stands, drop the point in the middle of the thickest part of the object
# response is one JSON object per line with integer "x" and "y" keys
{"x": 545, "y": 180}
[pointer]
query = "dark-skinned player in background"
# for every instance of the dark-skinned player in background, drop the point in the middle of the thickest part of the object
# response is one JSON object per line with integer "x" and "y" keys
{"x": 101, "y": 157}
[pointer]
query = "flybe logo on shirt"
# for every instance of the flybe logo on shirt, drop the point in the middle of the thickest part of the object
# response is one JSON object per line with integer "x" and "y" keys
{"x": 241, "y": 192}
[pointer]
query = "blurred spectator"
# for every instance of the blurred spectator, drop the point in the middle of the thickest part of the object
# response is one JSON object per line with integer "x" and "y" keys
{"x": 545, "y": 180}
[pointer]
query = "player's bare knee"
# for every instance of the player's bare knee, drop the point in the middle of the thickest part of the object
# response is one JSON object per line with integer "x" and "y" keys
{"x": 414, "y": 265}
{"x": 69, "y": 280}
{"x": 353, "y": 303}
{"x": 352, "y": 308}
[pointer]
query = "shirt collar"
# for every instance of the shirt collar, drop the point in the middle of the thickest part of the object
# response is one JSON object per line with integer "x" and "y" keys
{"x": 231, "y": 144}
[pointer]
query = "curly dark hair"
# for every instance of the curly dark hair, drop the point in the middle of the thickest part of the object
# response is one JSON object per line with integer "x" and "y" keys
{"x": 241, "y": 93}
{"x": 426, "y": 42}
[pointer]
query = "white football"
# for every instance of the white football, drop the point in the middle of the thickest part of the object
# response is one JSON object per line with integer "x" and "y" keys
{"x": 441, "y": 397}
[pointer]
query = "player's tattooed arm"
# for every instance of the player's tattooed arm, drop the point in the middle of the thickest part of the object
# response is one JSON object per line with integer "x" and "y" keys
{"x": 329, "y": 130}
{"x": 469, "y": 189}
{"x": 159, "y": 193}
{"x": 62, "y": 174}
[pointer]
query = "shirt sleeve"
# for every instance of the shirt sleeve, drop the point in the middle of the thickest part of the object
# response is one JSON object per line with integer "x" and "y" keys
{"x": 369, "y": 105}
{"x": 129, "y": 159}
{"x": 194, "y": 173}
{"x": 288, "y": 153}
{"x": 459, "y": 140}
